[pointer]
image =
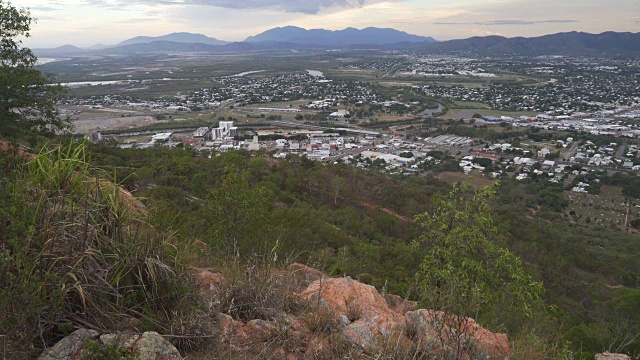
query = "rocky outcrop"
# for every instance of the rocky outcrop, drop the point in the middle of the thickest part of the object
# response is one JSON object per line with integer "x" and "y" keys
{"x": 81, "y": 343}
{"x": 342, "y": 317}
{"x": 611, "y": 356}
{"x": 364, "y": 313}
{"x": 441, "y": 329}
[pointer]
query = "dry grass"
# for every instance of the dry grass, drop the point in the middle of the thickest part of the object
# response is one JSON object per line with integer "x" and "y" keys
{"x": 76, "y": 257}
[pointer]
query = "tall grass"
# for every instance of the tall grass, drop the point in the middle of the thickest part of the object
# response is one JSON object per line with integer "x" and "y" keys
{"x": 74, "y": 254}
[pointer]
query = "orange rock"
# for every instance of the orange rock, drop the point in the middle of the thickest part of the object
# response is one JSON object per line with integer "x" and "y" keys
{"x": 359, "y": 305}
{"x": 438, "y": 325}
{"x": 304, "y": 275}
{"x": 400, "y": 305}
{"x": 210, "y": 282}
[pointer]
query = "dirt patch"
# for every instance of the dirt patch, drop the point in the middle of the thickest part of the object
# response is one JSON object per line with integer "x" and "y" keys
{"x": 384, "y": 210}
{"x": 111, "y": 123}
{"x": 474, "y": 178}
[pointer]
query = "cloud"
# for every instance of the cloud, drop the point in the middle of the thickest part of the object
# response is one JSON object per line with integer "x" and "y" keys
{"x": 43, "y": 8}
{"x": 294, "y": 6}
{"x": 509, "y": 22}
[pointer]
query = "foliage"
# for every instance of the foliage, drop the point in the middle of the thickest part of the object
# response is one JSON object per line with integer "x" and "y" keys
{"x": 92, "y": 350}
{"x": 27, "y": 97}
{"x": 465, "y": 271}
{"x": 361, "y": 225}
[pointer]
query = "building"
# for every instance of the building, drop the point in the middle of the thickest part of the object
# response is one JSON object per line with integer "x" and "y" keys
{"x": 340, "y": 114}
{"x": 224, "y": 130}
{"x": 201, "y": 132}
{"x": 161, "y": 138}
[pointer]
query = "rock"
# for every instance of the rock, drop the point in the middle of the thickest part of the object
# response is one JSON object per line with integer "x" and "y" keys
{"x": 429, "y": 324}
{"x": 228, "y": 327}
{"x": 353, "y": 299}
{"x": 360, "y": 333}
{"x": 148, "y": 346}
{"x": 610, "y": 356}
{"x": 400, "y": 305}
{"x": 303, "y": 275}
{"x": 152, "y": 346}
{"x": 342, "y": 317}
{"x": 67, "y": 348}
{"x": 210, "y": 283}
{"x": 361, "y": 304}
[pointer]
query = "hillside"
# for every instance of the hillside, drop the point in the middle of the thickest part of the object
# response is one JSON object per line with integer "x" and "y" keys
{"x": 249, "y": 217}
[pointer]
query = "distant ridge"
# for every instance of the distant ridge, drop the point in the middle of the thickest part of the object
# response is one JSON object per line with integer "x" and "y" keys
{"x": 348, "y": 36}
{"x": 179, "y": 37}
{"x": 568, "y": 43}
{"x": 293, "y": 38}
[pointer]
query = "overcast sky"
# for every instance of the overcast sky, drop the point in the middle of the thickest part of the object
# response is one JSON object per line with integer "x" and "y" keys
{"x": 89, "y": 22}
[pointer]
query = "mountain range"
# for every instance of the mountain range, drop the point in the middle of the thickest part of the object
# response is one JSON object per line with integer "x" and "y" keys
{"x": 348, "y": 36}
{"x": 295, "y": 38}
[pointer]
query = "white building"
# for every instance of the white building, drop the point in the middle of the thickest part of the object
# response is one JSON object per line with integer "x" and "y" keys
{"x": 224, "y": 130}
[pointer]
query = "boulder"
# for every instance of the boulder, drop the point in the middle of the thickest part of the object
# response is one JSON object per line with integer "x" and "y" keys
{"x": 365, "y": 309}
{"x": 69, "y": 347}
{"x": 148, "y": 346}
{"x": 152, "y": 346}
{"x": 211, "y": 284}
{"x": 429, "y": 325}
{"x": 611, "y": 356}
{"x": 303, "y": 275}
{"x": 400, "y": 305}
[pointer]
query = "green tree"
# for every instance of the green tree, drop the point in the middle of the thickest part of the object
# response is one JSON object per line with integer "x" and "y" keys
{"x": 239, "y": 215}
{"x": 466, "y": 272}
{"x": 27, "y": 97}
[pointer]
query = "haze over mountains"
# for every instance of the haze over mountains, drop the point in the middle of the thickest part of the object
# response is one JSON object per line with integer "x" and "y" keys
{"x": 295, "y": 38}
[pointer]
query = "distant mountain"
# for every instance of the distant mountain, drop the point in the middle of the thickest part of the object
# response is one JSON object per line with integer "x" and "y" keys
{"x": 64, "y": 50}
{"x": 181, "y": 37}
{"x": 293, "y": 38}
{"x": 570, "y": 43}
{"x": 348, "y": 36}
{"x": 159, "y": 47}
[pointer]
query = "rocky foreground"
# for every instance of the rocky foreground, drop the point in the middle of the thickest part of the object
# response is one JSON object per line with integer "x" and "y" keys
{"x": 310, "y": 316}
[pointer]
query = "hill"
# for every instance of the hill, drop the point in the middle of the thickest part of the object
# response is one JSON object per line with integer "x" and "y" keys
{"x": 179, "y": 37}
{"x": 348, "y": 36}
{"x": 64, "y": 50}
{"x": 570, "y": 43}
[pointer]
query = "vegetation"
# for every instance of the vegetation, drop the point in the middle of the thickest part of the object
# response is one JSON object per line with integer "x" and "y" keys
{"x": 27, "y": 97}
{"x": 77, "y": 251}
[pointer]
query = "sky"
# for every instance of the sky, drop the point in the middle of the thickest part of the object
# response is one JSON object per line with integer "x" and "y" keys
{"x": 89, "y": 22}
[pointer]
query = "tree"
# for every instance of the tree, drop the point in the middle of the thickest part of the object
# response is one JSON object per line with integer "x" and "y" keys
{"x": 27, "y": 97}
{"x": 466, "y": 273}
{"x": 238, "y": 214}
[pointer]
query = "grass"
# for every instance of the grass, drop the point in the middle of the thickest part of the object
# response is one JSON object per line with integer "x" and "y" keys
{"x": 77, "y": 254}
{"x": 475, "y": 178}
{"x": 605, "y": 209}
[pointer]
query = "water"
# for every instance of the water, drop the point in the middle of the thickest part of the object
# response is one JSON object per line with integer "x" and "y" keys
{"x": 245, "y": 73}
{"x": 95, "y": 83}
{"x": 430, "y": 112}
{"x": 42, "y": 61}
